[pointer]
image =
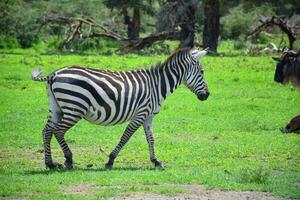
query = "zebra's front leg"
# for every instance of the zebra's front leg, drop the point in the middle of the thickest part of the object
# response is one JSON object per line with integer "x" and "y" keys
{"x": 150, "y": 139}
{"x": 130, "y": 129}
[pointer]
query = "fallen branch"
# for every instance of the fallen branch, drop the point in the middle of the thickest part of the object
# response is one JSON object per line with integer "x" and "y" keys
{"x": 92, "y": 30}
{"x": 77, "y": 24}
{"x": 149, "y": 40}
{"x": 279, "y": 21}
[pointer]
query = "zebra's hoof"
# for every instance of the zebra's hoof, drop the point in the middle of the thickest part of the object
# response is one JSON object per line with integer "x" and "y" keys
{"x": 158, "y": 164}
{"x": 54, "y": 165}
{"x": 108, "y": 166}
{"x": 68, "y": 165}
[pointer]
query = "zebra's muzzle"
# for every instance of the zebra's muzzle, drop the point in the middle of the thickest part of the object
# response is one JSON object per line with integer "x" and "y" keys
{"x": 203, "y": 96}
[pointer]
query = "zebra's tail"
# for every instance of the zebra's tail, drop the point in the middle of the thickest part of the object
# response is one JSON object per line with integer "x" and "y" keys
{"x": 36, "y": 75}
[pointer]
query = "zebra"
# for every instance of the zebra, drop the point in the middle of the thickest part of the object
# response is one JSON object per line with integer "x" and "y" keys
{"x": 106, "y": 97}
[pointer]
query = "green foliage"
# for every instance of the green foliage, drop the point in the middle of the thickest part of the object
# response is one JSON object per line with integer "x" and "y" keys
{"x": 265, "y": 38}
{"x": 240, "y": 20}
{"x": 238, "y": 45}
{"x": 8, "y": 42}
{"x": 281, "y": 7}
{"x": 24, "y": 20}
{"x": 145, "y": 5}
{"x": 19, "y": 21}
{"x": 231, "y": 141}
{"x": 158, "y": 48}
{"x": 99, "y": 44}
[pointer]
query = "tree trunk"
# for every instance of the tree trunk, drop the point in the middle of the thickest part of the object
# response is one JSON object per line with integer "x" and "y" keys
{"x": 187, "y": 33}
{"x": 211, "y": 25}
{"x": 136, "y": 24}
{"x": 133, "y": 26}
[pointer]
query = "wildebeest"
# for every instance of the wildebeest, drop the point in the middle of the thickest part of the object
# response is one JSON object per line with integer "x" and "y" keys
{"x": 293, "y": 126}
{"x": 288, "y": 70}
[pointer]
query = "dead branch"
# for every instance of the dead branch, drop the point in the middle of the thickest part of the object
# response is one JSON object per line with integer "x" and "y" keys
{"x": 149, "y": 40}
{"x": 279, "y": 21}
{"x": 93, "y": 30}
{"x": 77, "y": 24}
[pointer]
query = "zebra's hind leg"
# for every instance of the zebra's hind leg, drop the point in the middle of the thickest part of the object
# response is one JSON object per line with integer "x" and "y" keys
{"x": 60, "y": 121}
{"x": 150, "y": 139}
{"x": 63, "y": 126}
{"x": 50, "y": 128}
{"x": 130, "y": 129}
{"x": 47, "y": 136}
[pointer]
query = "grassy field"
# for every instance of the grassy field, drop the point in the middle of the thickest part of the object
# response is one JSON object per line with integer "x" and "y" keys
{"x": 231, "y": 141}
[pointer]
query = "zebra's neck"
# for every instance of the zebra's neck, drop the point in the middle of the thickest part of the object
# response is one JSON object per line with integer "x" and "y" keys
{"x": 168, "y": 77}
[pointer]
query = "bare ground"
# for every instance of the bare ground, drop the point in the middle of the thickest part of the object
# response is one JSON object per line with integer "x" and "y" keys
{"x": 193, "y": 192}
{"x": 196, "y": 192}
{"x": 82, "y": 189}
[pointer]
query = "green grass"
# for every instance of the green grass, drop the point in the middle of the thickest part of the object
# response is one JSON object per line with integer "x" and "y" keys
{"x": 231, "y": 141}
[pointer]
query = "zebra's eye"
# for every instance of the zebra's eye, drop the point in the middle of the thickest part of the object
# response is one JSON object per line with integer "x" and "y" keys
{"x": 202, "y": 71}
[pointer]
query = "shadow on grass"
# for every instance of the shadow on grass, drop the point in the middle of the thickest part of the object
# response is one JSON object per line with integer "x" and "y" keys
{"x": 79, "y": 169}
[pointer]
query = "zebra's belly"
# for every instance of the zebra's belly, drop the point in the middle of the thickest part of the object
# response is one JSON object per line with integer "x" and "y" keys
{"x": 100, "y": 117}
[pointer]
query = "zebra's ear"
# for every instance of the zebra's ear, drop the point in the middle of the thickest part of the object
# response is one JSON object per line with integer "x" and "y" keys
{"x": 198, "y": 54}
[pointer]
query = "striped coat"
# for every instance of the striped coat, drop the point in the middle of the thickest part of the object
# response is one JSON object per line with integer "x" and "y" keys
{"x": 112, "y": 97}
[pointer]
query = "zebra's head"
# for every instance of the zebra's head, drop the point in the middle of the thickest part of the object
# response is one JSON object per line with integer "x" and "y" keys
{"x": 194, "y": 77}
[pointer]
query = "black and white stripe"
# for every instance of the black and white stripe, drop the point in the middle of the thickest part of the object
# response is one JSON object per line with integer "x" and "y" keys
{"x": 107, "y": 98}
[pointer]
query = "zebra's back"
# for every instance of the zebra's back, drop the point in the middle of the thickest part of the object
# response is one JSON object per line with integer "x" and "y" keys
{"x": 99, "y": 96}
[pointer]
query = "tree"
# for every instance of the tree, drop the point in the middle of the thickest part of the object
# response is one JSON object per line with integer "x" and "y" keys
{"x": 18, "y": 20}
{"x": 187, "y": 33}
{"x": 137, "y": 6}
{"x": 134, "y": 24}
{"x": 211, "y": 30}
{"x": 179, "y": 15}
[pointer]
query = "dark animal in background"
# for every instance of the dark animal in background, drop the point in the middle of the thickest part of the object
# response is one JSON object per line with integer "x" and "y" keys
{"x": 288, "y": 70}
{"x": 293, "y": 126}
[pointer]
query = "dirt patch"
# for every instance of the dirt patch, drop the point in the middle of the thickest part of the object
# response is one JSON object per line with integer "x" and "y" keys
{"x": 196, "y": 192}
{"x": 81, "y": 189}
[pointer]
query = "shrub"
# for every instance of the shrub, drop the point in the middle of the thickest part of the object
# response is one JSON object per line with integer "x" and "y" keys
{"x": 159, "y": 47}
{"x": 26, "y": 39}
{"x": 8, "y": 42}
{"x": 240, "y": 20}
{"x": 238, "y": 45}
{"x": 19, "y": 21}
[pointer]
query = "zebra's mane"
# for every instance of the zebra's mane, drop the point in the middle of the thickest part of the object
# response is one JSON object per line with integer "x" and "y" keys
{"x": 151, "y": 68}
{"x": 178, "y": 51}
{"x": 172, "y": 55}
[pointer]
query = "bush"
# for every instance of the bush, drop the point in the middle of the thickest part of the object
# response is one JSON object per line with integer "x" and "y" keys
{"x": 89, "y": 45}
{"x": 19, "y": 21}
{"x": 27, "y": 39}
{"x": 157, "y": 48}
{"x": 240, "y": 20}
{"x": 238, "y": 45}
{"x": 8, "y": 42}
